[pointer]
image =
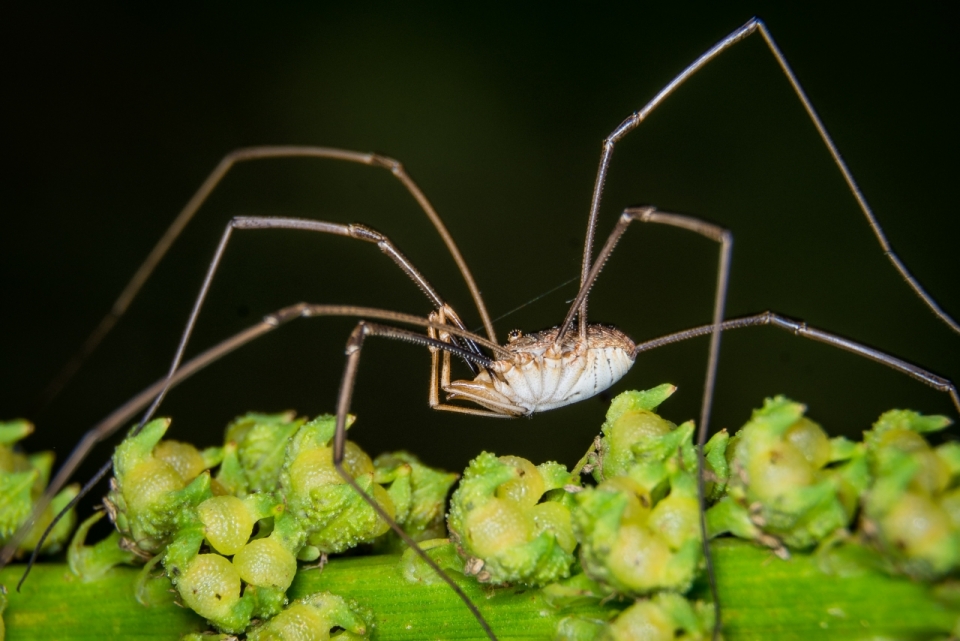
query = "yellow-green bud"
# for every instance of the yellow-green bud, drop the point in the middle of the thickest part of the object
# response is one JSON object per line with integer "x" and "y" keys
{"x": 227, "y": 523}
{"x": 632, "y": 548}
{"x": 555, "y": 518}
{"x": 265, "y": 562}
{"x": 811, "y": 441}
{"x": 495, "y": 526}
{"x": 528, "y": 486}
{"x": 314, "y": 468}
{"x": 210, "y": 586}
{"x": 638, "y": 558}
{"x": 312, "y": 618}
{"x": 664, "y": 617}
{"x": 676, "y": 519}
{"x": 504, "y": 530}
{"x": 643, "y": 621}
{"x": 183, "y": 457}
{"x": 149, "y": 483}
{"x": 776, "y": 469}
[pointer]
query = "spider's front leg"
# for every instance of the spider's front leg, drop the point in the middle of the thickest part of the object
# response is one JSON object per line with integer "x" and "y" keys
{"x": 354, "y": 348}
{"x": 440, "y": 365}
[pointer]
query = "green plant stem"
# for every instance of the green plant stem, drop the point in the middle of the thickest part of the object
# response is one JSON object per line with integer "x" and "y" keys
{"x": 762, "y": 596}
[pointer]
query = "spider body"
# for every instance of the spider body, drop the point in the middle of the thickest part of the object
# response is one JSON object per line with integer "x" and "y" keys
{"x": 542, "y": 373}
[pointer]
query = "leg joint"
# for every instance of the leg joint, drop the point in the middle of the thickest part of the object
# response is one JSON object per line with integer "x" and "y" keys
{"x": 362, "y": 232}
{"x": 355, "y": 342}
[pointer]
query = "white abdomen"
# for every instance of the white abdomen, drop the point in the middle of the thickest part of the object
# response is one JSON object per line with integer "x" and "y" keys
{"x": 541, "y": 375}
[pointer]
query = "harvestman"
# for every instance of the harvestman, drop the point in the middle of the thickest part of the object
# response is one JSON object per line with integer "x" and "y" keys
{"x": 528, "y": 374}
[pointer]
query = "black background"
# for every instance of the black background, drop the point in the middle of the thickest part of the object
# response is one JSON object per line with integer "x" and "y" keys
{"x": 115, "y": 114}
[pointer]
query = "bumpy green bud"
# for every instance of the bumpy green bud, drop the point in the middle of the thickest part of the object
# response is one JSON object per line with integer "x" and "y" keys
{"x": 227, "y": 524}
{"x": 631, "y": 421}
{"x": 23, "y": 479}
{"x": 332, "y": 514}
{"x": 277, "y": 483}
{"x": 665, "y": 617}
{"x": 210, "y": 586}
{"x": 780, "y": 491}
{"x": 255, "y": 451}
{"x": 511, "y": 520}
{"x": 912, "y": 510}
{"x": 312, "y": 619}
{"x": 151, "y": 494}
{"x": 420, "y": 497}
{"x": 637, "y": 547}
{"x": 265, "y": 566}
{"x": 266, "y": 562}
{"x": 639, "y": 529}
{"x": 638, "y": 443}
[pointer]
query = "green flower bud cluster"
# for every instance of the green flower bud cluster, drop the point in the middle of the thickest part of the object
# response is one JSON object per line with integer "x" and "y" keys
{"x": 791, "y": 486}
{"x": 511, "y": 520}
{"x": 780, "y": 481}
{"x": 789, "y": 483}
{"x": 911, "y": 512}
{"x": 639, "y": 527}
{"x": 229, "y": 539}
{"x": 155, "y": 485}
{"x": 23, "y": 479}
{"x": 230, "y": 543}
{"x": 420, "y": 504}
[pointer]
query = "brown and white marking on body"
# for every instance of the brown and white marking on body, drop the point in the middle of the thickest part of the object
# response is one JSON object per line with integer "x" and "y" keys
{"x": 541, "y": 374}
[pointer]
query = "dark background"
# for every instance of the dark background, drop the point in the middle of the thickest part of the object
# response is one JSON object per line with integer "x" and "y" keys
{"x": 115, "y": 114}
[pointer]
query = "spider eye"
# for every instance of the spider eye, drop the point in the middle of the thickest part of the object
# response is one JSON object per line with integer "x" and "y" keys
{"x": 514, "y": 335}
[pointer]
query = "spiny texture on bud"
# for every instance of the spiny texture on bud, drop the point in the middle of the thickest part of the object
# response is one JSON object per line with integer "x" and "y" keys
{"x": 640, "y": 444}
{"x": 420, "y": 503}
{"x": 230, "y": 544}
{"x": 255, "y": 450}
{"x": 781, "y": 491}
{"x": 639, "y": 528}
{"x": 150, "y": 497}
{"x": 23, "y": 479}
{"x": 512, "y": 521}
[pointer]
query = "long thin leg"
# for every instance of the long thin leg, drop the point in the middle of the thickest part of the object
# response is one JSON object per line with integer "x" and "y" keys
{"x": 354, "y": 346}
{"x": 259, "y": 222}
{"x": 725, "y": 238}
{"x": 180, "y": 222}
{"x": 109, "y": 425}
{"x": 634, "y": 120}
{"x": 800, "y": 328}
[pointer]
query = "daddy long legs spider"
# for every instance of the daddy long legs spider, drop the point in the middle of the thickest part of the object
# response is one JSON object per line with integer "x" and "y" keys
{"x": 460, "y": 307}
